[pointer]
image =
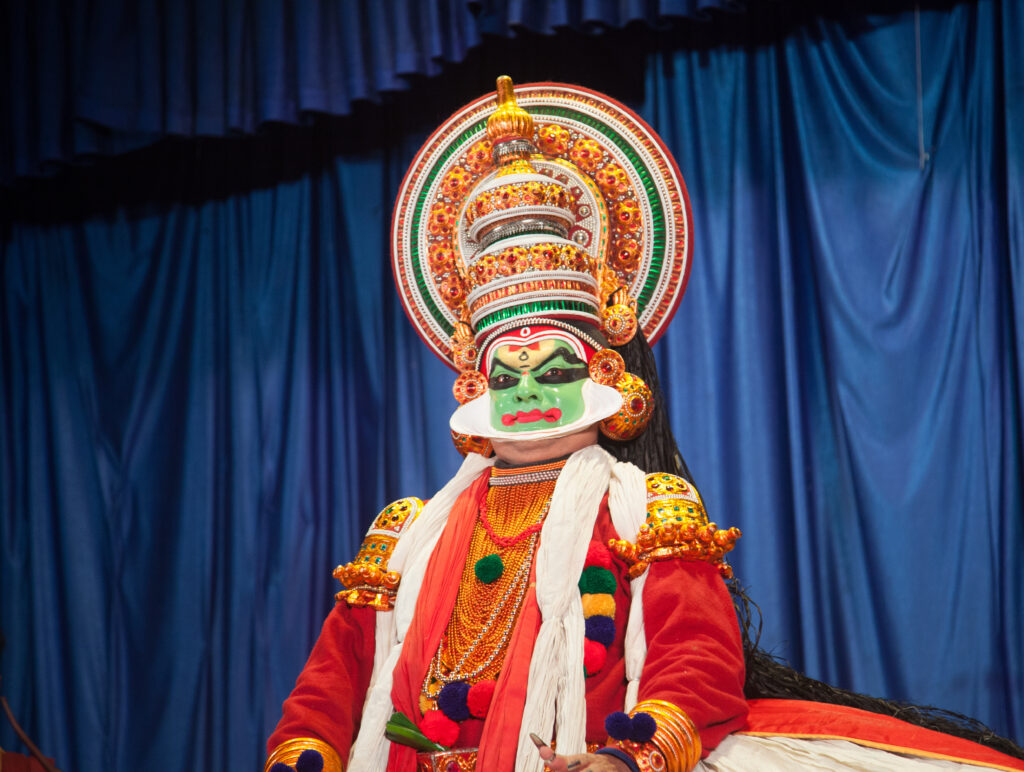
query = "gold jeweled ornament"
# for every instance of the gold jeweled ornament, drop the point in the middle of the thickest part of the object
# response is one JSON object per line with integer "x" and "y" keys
{"x": 468, "y": 443}
{"x": 635, "y": 413}
{"x": 455, "y": 760}
{"x": 367, "y": 580}
{"x": 676, "y": 527}
{"x": 469, "y": 385}
{"x": 289, "y": 751}
{"x": 464, "y": 351}
{"x": 618, "y": 318}
{"x": 606, "y": 367}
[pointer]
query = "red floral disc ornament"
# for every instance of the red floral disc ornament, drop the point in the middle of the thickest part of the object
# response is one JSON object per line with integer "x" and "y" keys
{"x": 469, "y": 385}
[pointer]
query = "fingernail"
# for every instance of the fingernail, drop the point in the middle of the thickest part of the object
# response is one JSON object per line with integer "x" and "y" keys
{"x": 537, "y": 741}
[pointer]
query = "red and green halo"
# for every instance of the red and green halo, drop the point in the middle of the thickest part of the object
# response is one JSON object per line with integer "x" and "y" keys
{"x": 651, "y": 254}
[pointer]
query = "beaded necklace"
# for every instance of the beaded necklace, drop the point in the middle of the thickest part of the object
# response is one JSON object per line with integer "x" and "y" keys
{"x": 504, "y": 542}
{"x": 487, "y": 606}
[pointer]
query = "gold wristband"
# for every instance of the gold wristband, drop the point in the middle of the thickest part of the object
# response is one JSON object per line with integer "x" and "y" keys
{"x": 675, "y": 746}
{"x": 289, "y": 751}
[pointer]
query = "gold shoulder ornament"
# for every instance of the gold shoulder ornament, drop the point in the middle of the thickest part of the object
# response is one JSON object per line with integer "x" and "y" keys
{"x": 677, "y": 527}
{"x": 367, "y": 580}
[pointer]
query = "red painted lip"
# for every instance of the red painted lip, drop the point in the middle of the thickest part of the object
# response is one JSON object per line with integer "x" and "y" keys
{"x": 550, "y": 416}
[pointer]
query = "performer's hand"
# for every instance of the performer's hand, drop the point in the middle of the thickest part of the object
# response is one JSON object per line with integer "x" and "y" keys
{"x": 595, "y": 762}
{"x": 309, "y": 761}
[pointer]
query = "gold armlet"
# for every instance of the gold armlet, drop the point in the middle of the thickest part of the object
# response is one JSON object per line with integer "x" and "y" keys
{"x": 366, "y": 579}
{"x": 677, "y": 527}
{"x": 289, "y": 751}
{"x": 675, "y": 746}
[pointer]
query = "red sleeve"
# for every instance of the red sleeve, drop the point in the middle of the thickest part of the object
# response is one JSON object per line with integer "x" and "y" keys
{"x": 327, "y": 700}
{"x": 694, "y": 652}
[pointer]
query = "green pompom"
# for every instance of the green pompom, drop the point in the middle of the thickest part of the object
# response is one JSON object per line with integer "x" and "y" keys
{"x": 489, "y": 568}
{"x": 596, "y": 580}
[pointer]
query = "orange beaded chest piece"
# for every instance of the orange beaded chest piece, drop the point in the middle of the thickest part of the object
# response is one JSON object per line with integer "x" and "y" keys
{"x": 494, "y": 580}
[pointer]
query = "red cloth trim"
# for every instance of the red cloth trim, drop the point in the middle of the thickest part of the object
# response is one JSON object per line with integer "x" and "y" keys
{"x": 434, "y": 607}
{"x": 498, "y": 743}
{"x": 16, "y": 762}
{"x": 816, "y": 720}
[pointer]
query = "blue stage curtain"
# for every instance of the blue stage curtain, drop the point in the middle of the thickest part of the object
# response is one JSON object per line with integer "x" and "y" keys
{"x": 207, "y": 388}
{"x": 96, "y": 77}
{"x": 845, "y": 368}
{"x": 195, "y": 400}
{"x": 550, "y": 16}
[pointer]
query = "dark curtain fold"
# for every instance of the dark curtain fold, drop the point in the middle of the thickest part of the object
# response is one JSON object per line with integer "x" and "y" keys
{"x": 99, "y": 77}
{"x": 550, "y": 16}
{"x": 208, "y": 389}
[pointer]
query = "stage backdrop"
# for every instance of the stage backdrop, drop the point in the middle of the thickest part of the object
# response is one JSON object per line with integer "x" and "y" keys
{"x": 207, "y": 388}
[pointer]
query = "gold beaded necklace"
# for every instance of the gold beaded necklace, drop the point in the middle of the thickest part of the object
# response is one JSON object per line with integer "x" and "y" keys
{"x": 475, "y": 641}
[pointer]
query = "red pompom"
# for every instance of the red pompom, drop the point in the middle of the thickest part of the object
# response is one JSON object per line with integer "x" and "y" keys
{"x": 479, "y": 698}
{"x": 598, "y": 555}
{"x": 439, "y": 728}
{"x": 594, "y": 655}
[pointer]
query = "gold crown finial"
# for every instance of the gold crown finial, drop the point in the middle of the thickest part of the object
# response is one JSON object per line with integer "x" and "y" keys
{"x": 509, "y": 121}
{"x": 506, "y": 92}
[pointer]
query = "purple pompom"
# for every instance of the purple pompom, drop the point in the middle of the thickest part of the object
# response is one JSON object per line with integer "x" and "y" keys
{"x": 600, "y": 629}
{"x": 452, "y": 701}
{"x": 643, "y": 728}
{"x": 309, "y": 761}
{"x": 281, "y": 767}
{"x": 618, "y": 725}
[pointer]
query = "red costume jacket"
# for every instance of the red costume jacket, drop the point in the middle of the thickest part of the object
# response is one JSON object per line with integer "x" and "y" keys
{"x": 694, "y": 658}
{"x": 694, "y": 661}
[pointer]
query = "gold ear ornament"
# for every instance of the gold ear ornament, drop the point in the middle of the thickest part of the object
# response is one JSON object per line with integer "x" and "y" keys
{"x": 469, "y": 385}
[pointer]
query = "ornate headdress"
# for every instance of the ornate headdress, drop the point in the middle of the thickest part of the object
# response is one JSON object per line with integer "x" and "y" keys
{"x": 557, "y": 207}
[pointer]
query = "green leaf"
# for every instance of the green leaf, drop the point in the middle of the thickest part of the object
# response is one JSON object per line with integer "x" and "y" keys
{"x": 400, "y": 729}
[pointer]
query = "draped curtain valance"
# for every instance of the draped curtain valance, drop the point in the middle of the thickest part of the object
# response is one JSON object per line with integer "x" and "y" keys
{"x": 108, "y": 76}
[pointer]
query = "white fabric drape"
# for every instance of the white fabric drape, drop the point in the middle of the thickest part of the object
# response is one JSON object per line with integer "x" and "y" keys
{"x": 743, "y": 753}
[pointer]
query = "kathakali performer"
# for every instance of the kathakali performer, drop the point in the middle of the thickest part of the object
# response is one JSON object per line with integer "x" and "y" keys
{"x": 566, "y": 583}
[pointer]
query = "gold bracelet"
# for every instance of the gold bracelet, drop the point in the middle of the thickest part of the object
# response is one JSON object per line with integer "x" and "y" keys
{"x": 675, "y": 746}
{"x": 289, "y": 751}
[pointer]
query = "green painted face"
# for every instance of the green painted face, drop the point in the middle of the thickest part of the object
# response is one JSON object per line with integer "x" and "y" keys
{"x": 535, "y": 387}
